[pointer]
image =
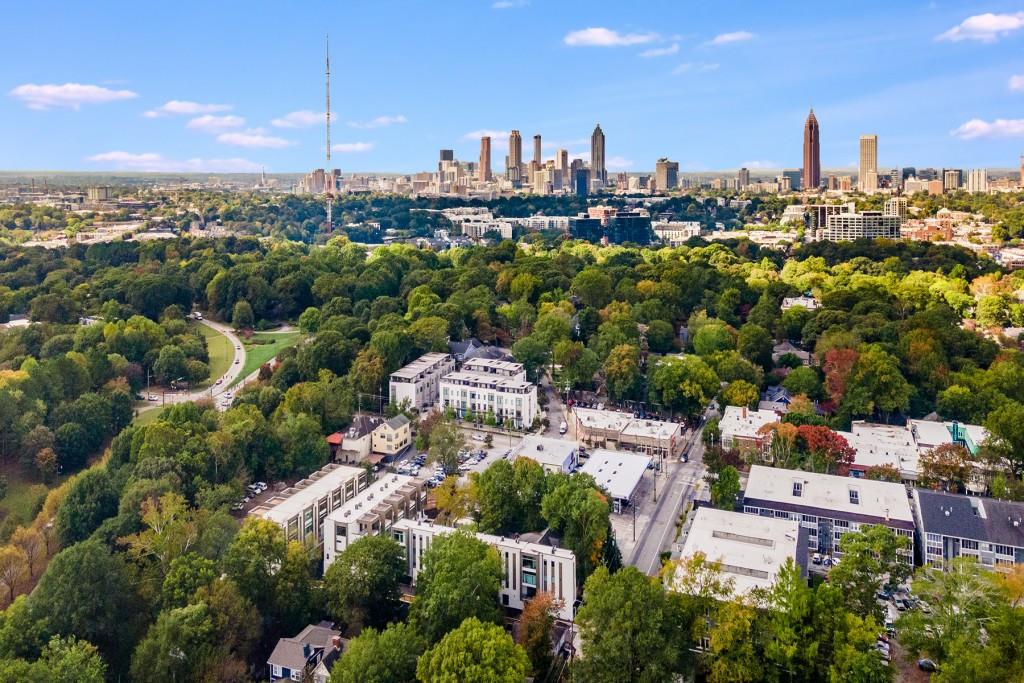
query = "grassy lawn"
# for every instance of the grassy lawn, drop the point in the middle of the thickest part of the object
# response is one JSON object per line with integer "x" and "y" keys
{"x": 23, "y": 494}
{"x": 221, "y": 352}
{"x": 148, "y": 417}
{"x": 262, "y": 347}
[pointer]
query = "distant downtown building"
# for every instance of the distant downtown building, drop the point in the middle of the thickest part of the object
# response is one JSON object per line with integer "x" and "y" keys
{"x": 812, "y": 153}
{"x": 536, "y": 151}
{"x": 484, "y": 171}
{"x": 598, "y": 173}
{"x": 977, "y": 180}
{"x": 865, "y": 225}
{"x": 743, "y": 178}
{"x": 514, "y": 169}
{"x": 868, "y": 171}
{"x": 666, "y": 174}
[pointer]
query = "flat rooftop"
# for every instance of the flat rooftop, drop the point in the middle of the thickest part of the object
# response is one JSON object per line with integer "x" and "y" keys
{"x": 545, "y": 450}
{"x": 284, "y": 505}
{"x": 745, "y": 423}
{"x": 372, "y": 496}
{"x": 876, "y": 499}
{"x": 490, "y": 539}
{"x": 878, "y": 444}
{"x": 424, "y": 363}
{"x": 491, "y": 365}
{"x": 487, "y": 380}
{"x": 617, "y": 472}
{"x": 609, "y": 420}
{"x": 750, "y": 549}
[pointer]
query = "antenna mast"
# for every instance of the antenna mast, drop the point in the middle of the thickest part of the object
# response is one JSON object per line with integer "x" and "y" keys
{"x": 329, "y": 179}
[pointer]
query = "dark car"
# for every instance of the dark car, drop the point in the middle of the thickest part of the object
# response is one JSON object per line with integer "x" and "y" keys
{"x": 927, "y": 665}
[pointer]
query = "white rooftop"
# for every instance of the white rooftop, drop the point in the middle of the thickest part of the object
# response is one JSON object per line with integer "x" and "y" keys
{"x": 544, "y": 450}
{"x": 486, "y": 380}
{"x": 489, "y": 365}
{"x": 652, "y": 429}
{"x": 743, "y": 422}
{"x": 427, "y": 361}
{"x": 295, "y": 499}
{"x": 372, "y": 495}
{"x": 750, "y": 549}
{"x": 882, "y": 499}
{"x": 602, "y": 419}
{"x": 617, "y": 472}
{"x": 878, "y": 444}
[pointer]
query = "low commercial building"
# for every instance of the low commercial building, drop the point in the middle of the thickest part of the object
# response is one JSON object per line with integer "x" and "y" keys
{"x": 419, "y": 382}
{"x": 301, "y": 509}
{"x": 374, "y": 511}
{"x": 829, "y": 506}
{"x": 749, "y": 550}
{"x": 618, "y": 473}
{"x": 741, "y": 427}
{"x": 879, "y": 445}
{"x": 485, "y": 386}
{"x": 611, "y": 429}
{"x": 554, "y": 455}
{"x": 950, "y": 526}
{"x": 529, "y": 566}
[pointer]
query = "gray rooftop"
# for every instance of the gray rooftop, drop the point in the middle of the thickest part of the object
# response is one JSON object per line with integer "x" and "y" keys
{"x": 971, "y": 517}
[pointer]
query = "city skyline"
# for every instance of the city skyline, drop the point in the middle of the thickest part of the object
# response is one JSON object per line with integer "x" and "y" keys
{"x": 251, "y": 97}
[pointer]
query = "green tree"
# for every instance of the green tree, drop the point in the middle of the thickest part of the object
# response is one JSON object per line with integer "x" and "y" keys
{"x": 242, "y": 316}
{"x": 361, "y": 585}
{"x": 181, "y": 645}
{"x": 630, "y": 629}
{"x": 873, "y": 557}
{"x": 713, "y": 337}
{"x": 460, "y": 578}
{"x": 622, "y": 371}
{"x": 686, "y": 384}
{"x": 725, "y": 489}
{"x": 734, "y": 653}
{"x": 740, "y": 393}
{"x": 533, "y": 353}
{"x": 387, "y": 656}
{"x": 577, "y": 511}
{"x": 593, "y": 286}
{"x": 170, "y": 364}
{"x": 187, "y": 574}
{"x": 446, "y": 440}
{"x": 70, "y": 660}
{"x": 1006, "y": 428}
{"x": 475, "y": 651}
{"x": 876, "y": 383}
{"x": 803, "y": 380}
{"x": 91, "y": 499}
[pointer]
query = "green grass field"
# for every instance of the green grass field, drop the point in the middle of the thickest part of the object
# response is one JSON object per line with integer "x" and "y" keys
{"x": 147, "y": 417}
{"x": 221, "y": 352}
{"x": 23, "y": 494}
{"x": 262, "y": 347}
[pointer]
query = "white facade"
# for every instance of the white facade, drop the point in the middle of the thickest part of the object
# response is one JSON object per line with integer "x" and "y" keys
{"x": 977, "y": 180}
{"x": 528, "y": 568}
{"x": 741, "y": 427}
{"x": 867, "y": 224}
{"x": 301, "y": 509}
{"x": 803, "y": 301}
{"x": 491, "y": 386}
{"x": 675, "y": 233}
{"x": 419, "y": 382}
{"x": 554, "y": 455}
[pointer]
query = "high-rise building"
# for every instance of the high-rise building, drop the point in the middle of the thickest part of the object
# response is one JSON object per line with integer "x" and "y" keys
{"x": 812, "y": 153}
{"x": 666, "y": 174}
{"x": 514, "y": 170}
{"x": 536, "y": 151}
{"x": 562, "y": 160}
{"x": 580, "y": 181}
{"x": 484, "y": 170}
{"x": 952, "y": 179}
{"x": 743, "y": 177}
{"x": 446, "y": 155}
{"x": 868, "y": 172}
{"x": 896, "y": 206}
{"x": 896, "y": 178}
{"x": 598, "y": 173}
{"x": 795, "y": 176}
{"x": 977, "y": 180}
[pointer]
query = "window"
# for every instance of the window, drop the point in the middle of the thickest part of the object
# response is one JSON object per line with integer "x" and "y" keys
{"x": 969, "y": 545}
{"x": 854, "y": 497}
{"x": 798, "y": 489}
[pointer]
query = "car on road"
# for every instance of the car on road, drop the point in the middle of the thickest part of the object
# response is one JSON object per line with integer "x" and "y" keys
{"x": 563, "y": 428}
{"x": 151, "y": 397}
{"x": 477, "y": 437}
{"x": 199, "y": 316}
{"x": 816, "y": 558}
{"x": 927, "y": 665}
{"x": 236, "y": 361}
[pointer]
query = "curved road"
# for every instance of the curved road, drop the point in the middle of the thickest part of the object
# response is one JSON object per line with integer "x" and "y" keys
{"x": 214, "y": 390}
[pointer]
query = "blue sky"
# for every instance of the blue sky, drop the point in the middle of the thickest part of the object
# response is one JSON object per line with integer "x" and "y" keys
{"x": 210, "y": 86}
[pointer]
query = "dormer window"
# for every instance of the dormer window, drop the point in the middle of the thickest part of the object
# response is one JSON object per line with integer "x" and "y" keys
{"x": 798, "y": 489}
{"x": 854, "y": 497}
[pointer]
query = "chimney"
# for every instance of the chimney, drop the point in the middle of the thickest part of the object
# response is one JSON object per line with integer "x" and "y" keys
{"x": 336, "y": 642}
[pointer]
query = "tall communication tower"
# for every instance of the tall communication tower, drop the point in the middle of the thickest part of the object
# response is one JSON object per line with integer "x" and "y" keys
{"x": 329, "y": 177}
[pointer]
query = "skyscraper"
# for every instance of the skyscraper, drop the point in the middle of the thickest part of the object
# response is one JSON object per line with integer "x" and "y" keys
{"x": 598, "y": 174}
{"x": 484, "y": 172}
{"x": 812, "y": 154}
{"x": 666, "y": 174}
{"x": 536, "y": 150}
{"x": 743, "y": 178}
{"x": 562, "y": 160}
{"x": 515, "y": 158}
{"x": 446, "y": 155}
{"x": 868, "y": 173}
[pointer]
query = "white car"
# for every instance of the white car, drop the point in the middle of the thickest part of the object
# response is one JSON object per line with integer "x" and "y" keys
{"x": 477, "y": 437}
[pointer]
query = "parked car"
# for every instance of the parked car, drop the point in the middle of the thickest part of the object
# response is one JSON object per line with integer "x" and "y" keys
{"x": 563, "y": 428}
{"x": 151, "y": 397}
{"x": 477, "y": 437}
{"x": 927, "y": 665}
{"x": 816, "y": 558}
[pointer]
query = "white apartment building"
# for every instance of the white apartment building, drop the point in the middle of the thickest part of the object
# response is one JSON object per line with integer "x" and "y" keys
{"x": 676, "y": 233}
{"x": 802, "y": 301}
{"x": 301, "y": 509}
{"x": 373, "y": 511}
{"x": 977, "y": 180}
{"x": 867, "y": 224}
{"x": 485, "y": 386}
{"x": 419, "y": 382}
{"x": 829, "y": 506}
{"x": 529, "y": 566}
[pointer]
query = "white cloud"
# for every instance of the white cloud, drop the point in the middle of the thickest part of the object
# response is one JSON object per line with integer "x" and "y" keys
{"x": 986, "y": 28}
{"x": 493, "y": 134}
{"x": 618, "y": 164}
{"x": 510, "y": 4}
{"x": 72, "y": 95}
{"x": 185, "y": 108}
{"x": 694, "y": 67}
{"x": 1017, "y": 83}
{"x": 215, "y": 124}
{"x": 1000, "y": 128}
{"x": 347, "y": 147}
{"x": 153, "y": 162}
{"x": 299, "y": 119}
{"x": 661, "y": 51}
{"x": 379, "y": 122}
{"x": 734, "y": 37}
{"x": 606, "y": 37}
{"x": 253, "y": 137}
{"x": 761, "y": 164}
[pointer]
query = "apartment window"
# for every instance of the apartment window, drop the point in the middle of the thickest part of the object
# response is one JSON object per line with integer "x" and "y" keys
{"x": 854, "y": 497}
{"x": 798, "y": 489}
{"x": 969, "y": 545}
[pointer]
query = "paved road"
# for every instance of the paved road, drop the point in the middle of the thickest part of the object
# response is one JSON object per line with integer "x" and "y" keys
{"x": 680, "y": 487}
{"x": 213, "y": 391}
{"x": 555, "y": 408}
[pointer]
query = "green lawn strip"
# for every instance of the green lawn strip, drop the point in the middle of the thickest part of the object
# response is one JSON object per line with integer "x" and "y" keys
{"x": 23, "y": 494}
{"x": 262, "y": 347}
{"x": 221, "y": 352}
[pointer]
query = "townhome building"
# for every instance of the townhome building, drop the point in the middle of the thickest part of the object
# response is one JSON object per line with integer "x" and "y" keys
{"x": 419, "y": 382}
{"x": 485, "y": 386}
{"x": 950, "y": 525}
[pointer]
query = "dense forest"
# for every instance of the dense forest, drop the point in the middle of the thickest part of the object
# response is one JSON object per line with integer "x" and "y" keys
{"x": 137, "y": 557}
